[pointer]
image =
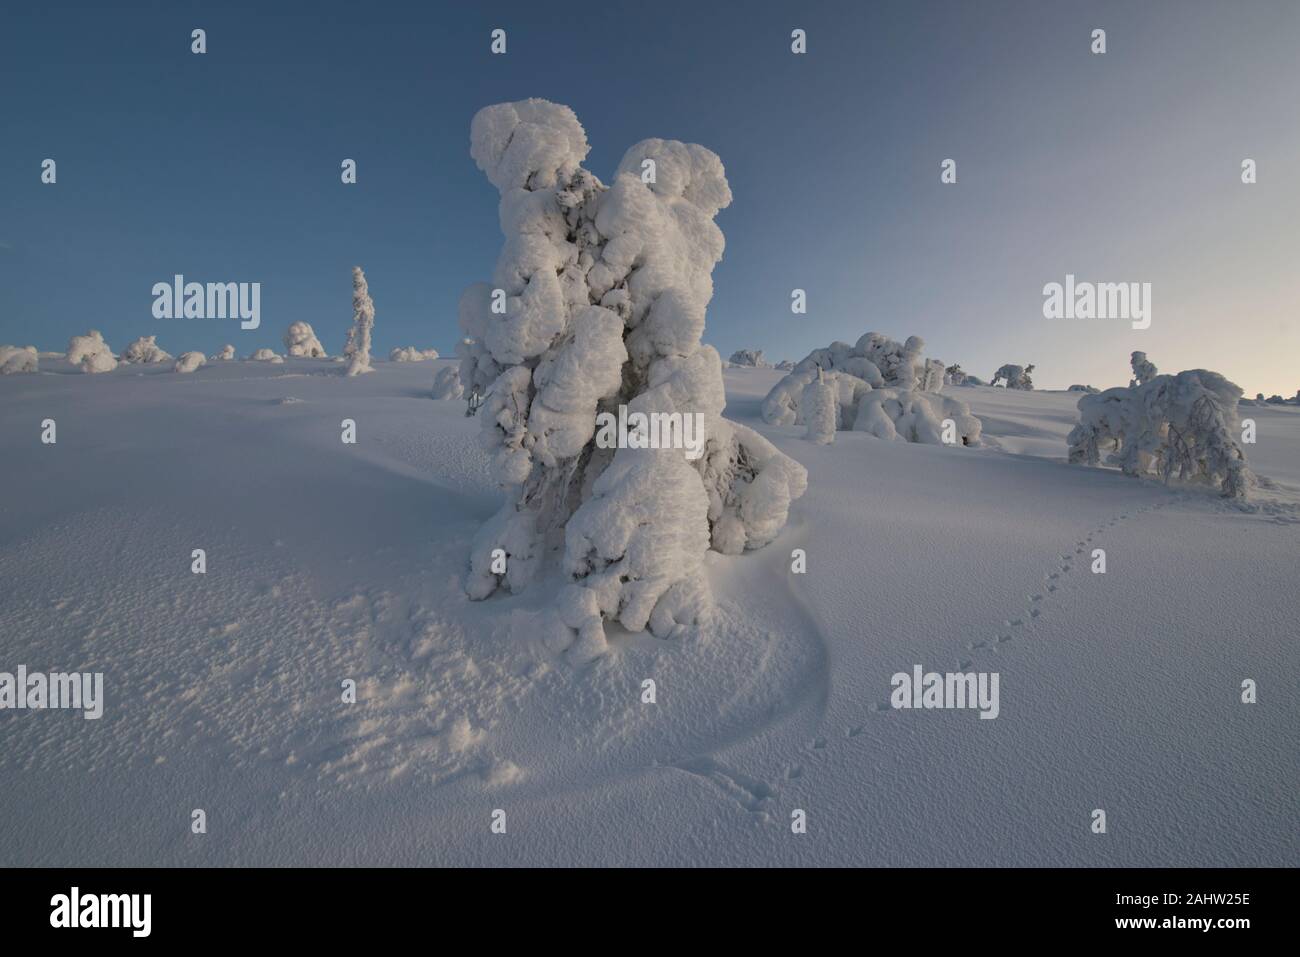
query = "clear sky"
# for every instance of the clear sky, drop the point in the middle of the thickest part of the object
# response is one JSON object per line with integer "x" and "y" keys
{"x": 1119, "y": 167}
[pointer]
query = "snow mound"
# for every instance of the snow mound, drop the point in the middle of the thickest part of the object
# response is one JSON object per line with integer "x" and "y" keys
{"x": 412, "y": 354}
{"x": 266, "y": 355}
{"x": 749, "y": 357}
{"x": 15, "y": 359}
{"x": 604, "y": 290}
{"x": 145, "y": 350}
{"x": 300, "y": 340}
{"x": 1185, "y": 425}
{"x": 189, "y": 361}
{"x": 91, "y": 352}
{"x": 878, "y": 386}
{"x": 226, "y": 354}
{"x": 447, "y": 384}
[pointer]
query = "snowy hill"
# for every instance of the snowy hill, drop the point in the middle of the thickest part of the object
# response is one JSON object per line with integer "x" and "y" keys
{"x": 328, "y": 562}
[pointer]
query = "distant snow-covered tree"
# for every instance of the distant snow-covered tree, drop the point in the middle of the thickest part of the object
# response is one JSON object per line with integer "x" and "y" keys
{"x": 145, "y": 350}
{"x": 597, "y": 305}
{"x": 446, "y": 383}
{"x": 300, "y": 341}
{"x": 785, "y": 365}
{"x": 363, "y": 321}
{"x": 412, "y": 354}
{"x": 1185, "y": 425}
{"x": 749, "y": 357}
{"x": 1015, "y": 377}
{"x": 879, "y": 386}
{"x": 16, "y": 359}
{"x": 954, "y": 375}
{"x": 91, "y": 352}
{"x": 226, "y": 354}
{"x": 266, "y": 355}
{"x": 1083, "y": 388}
{"x": 1143, "y": 369}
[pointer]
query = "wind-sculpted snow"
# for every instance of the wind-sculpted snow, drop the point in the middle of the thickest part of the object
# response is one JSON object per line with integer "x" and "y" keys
{"x": 1184, "y": 425}
{"x": 879, "y": 386}
{"x": 598, "y": 303}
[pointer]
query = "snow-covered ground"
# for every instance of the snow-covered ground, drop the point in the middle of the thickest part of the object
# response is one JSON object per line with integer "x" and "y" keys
{"x": 328, "y": 561}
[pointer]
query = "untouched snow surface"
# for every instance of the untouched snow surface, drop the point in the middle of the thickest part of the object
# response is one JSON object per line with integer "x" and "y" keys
{"x": 223, "y": 690}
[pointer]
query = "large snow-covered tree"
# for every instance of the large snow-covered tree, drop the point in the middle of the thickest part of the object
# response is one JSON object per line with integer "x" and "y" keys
{"x": 598, "y": 301}
{"x": 357, "y": 351}
{"x": 300, "y": 341}
{"x": 1185, "y": 425}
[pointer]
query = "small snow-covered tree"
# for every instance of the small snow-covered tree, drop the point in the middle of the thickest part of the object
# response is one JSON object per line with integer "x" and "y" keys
{"x": 357, "y": 350}
{"x": 785, "y": 365}
{"x": 300, "y": 341}
{"x": 1185, "y": 425}
{"x": 597, "y": 303}
{"x": 1143, "y": 369}
{"x": 446, "y": 383}
{"x": 189, "y": 361}
{"x": 879, "y": 386}
{"x": 226, "y": 354}
{"x": 749, "y": 357}
{"x": 266, "y": 355}
{"x": 412, "y": 354}
{"x": 1015, "y": 377}
{"x": 954, "y": 375}
{"x": 145, "y": 350}
{"x": 1083, "y": 388}
{"x": 16, "y": 359}
{"x": 820, "y": 408}
{"x": 91, "y": 352}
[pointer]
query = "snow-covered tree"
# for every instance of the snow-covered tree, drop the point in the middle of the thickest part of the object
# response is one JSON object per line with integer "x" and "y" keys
{"x": 880, "y": 386}
{"x": 785, "y": 365}
{"x": 1185, "y": 425}
{"x": 16, "y": 359}
{"x": 597, "y": 302}
{"x": 412, "y": 354}
{"x": 1083, "y": 388}
{"x": 145, "y": 350}
{"x": 300, "y": 341}
{"x": 1143, "y": 369}
{"x": 820, "y": 410}
{"x": 189, "y": 361}
{"x": 91, "y": 352}
{"x": 954, "y": 375}
{"x": 266, "y": 355}
{"x": 1015, "y": 377}
{"x": 225, "y": 355}
{"x": 357, "y": 350}
{"x": 446, "y": 383}
{"x": 749, "y": 357}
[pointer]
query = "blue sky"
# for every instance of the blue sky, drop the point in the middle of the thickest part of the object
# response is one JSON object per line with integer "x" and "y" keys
{"x": 1121, "y": 167}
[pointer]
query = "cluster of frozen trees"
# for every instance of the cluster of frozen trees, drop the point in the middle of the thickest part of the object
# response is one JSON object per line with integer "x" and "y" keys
{"x": 412, "y": 354}
{"x": 1083, "y": 388}
{"x": 1272, "y": 399}
{"x": 879, "y": 386}
{"x": 1015, "y": 377}
{"x": 16, "y": 359}
{"x": 752, "y": 358}
{"x": 1184, "y": 425}
{"x": 598, "y": 302}
{"x": 145, "y": 350}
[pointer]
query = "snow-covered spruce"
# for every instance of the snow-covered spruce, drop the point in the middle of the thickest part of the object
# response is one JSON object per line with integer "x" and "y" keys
{"x": 954, "y": 375}
{"x": 266, "y": 355}
{"x": 226, "y": 354}
{"x": 878, "y": 386}
{"x": 1184, "y": 425}
{"x": 145, "y": 350}
{"x": 752, "y": 358}
{"x": 1144, "y": 370}
{"x": 446, "y": 383}
{"x": 412, "y": 354}
{"x": 300, "y": 341}
{"x": 189, "y": 361}
{"x": 1015, "y": 377}
{"x": 357, "y": 351}
{"x": 601, "y": 294}
{"x": 91, "y": 352}
{"x": 16, "y": 359}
